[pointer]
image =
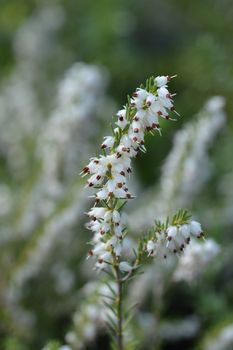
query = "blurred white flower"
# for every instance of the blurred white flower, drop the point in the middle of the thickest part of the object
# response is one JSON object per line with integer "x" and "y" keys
{"x": 91, "y": 315}
{"x": 222, "y": 341}
{"x": 186, "y": 169}
{"x": 195, "y": 260}
{"x": 34, "y": 41}
{"x": 180, "y": 329}
{"x": 6, "y": 200}
{"x": 109, "y": 173}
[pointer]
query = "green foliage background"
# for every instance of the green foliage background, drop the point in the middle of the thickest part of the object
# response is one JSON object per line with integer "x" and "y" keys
{"x": 132, "y": 40}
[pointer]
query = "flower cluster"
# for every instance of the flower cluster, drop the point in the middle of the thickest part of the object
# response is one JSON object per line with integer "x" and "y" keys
{"x": 175, "y": 237}
{"x": 109, "y": 172}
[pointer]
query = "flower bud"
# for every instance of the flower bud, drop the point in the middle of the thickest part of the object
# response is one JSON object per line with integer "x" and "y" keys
{"x": 124, "y": 266}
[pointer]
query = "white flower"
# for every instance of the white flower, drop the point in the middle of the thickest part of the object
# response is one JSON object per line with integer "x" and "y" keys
{"x": 162, "y": 80}
{"x": 211, "y": 247}
{"x": 173, "y": 246}
{"x": 106, "y": 257}
{"x": 108, "y": 142}
{"x": 159, "y": 108}
{"x": 171, "y": 232}
{"x": 107, "y": 216}
{"x": 174, "y": 239}
{"x": 97, "y": 212}
{"x": 163, "y": 93}
{"x": 139, "y": 98}
{"x": 122, "y": 122}
{"x": 100, "y": 265}
{"x": 136, "y": 135}
{"x": 102, "y": 194}
{"x": 150, "y": 99}
{"x": 152, "y": 120}
{"x": 180, "y": 240}
{"x": 141, "y": 94}
{"x": 110, "y": 172}
{"x": 99, "y": 249}
{"x": 118, "y": 249}
{"x": 112, "y": 242}
{"x": 95, "y": 180}
{"x": 151, "y": 245}
{"x": 98, "y": 227}
{"x": 195, "y": 229}
{"x": 195, "y": 259}
{"x": 185, "y": 232}
{"x": 124, "y": 266}
{"x": 118, "y": 229}
{"x": 222, "y": 340}
{"x": 92, "y": 167}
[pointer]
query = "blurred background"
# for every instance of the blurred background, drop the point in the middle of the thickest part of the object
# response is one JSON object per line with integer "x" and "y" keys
{"x": 65, "y": 69}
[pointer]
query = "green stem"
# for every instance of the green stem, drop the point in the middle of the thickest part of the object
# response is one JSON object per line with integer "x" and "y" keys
{"x": 119, "y": 310}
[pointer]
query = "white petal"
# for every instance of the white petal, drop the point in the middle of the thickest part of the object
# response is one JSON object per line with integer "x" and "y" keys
{"x": 124, "y": 266}
{"x": 172, "y": 232}
{"x": 116, "y": 217}
{"x": 195, "y": 228}
{"x": 161, "y": 81}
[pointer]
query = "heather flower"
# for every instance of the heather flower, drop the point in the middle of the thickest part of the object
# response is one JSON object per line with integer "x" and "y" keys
{"x": 150, "y": 247}
{"x": 195, "y": 229}
{"x": 173, "y": 238}
{"x": 109, "y": 173}
{"x": 195, "y": 259}
{"x": 109, "y": 176}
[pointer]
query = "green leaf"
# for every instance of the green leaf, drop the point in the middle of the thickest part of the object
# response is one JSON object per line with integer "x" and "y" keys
{"x": 110, "y": 307}
{"x": 111, "y": 289}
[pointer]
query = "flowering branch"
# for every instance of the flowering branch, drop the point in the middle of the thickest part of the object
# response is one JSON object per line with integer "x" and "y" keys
{"x": 109, "y": 175}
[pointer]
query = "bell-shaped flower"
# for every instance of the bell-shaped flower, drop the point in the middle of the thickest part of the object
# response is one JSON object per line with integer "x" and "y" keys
{"x": 124, "y": 266}
{"x": 195, "y": 229}
{"x": 108, "y": 142}
{"x": 150, "y": 247}
{"x": 122, "y": 122}
{"x": 171, "y": 232}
